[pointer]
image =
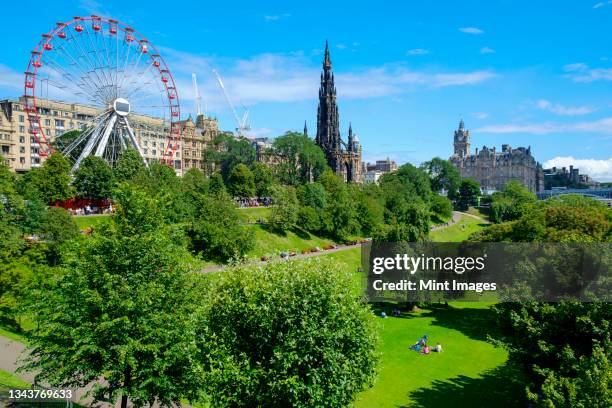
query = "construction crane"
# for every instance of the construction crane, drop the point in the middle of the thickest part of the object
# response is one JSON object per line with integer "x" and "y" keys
{"x": 198, "y": 98}
{"x": 242, "y": 125}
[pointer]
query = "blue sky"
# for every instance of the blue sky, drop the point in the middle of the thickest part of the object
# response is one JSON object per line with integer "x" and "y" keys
{"x": 535, "y": 73}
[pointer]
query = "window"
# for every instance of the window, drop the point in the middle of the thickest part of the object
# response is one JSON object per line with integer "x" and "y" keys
{"x": 54, "y": 113}
{"x": 153, "y": 144}
{"x": 21, "y": 149}
{"x": 146, "y": 142}
{"x": 145, "y": 151}
{"x": 47, "y": 122}
{"x": 161, "y": 145}
{"x": 154, "y": 152}
{"x": 48, "y": 132}
{"x": 6, "y": 149}
{"x": 22, "y": 129}
{"x": 21, "y": 139}
{"x": 21, "y": 119}
{"x": 59, "y": 123}
{"x": 22, "y": 160}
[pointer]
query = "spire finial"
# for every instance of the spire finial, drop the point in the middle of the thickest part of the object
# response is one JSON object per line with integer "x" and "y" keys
{"x": 350, "y": 128}
{"x": 305, "y": 129}
{"x": 461, "y": 124}
{"x": 327, "y": 59}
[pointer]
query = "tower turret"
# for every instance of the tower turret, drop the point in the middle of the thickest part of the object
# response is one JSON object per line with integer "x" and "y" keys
{"x": 461, "y": 141}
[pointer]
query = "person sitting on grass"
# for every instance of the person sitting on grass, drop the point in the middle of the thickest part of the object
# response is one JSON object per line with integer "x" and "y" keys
{"x": 425, "y": 349}
{"x": 438, "y": 348}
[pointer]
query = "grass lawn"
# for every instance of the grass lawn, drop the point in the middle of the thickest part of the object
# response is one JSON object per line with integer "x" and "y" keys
{"x": 8, "y": 381}
{"x": 251, "y": 215}
{"x": 270, "y": 243}
{"x": 87, "y": 221}
{"x": 458, "y": 232}
{"x": 479, "y": 212}
{"x": 12, "y": 335}
{"x": 469, "y": 373}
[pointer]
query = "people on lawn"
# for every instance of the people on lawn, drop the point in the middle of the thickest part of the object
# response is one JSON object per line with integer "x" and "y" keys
{"x": 423, "y": 348}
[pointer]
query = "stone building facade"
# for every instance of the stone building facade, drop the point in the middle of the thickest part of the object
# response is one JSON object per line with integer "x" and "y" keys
{"x": 494, "y": 169}
{"x": 343, "y": 158}
{"x": 198, "y": 138}
{"x": 22, "y": 153}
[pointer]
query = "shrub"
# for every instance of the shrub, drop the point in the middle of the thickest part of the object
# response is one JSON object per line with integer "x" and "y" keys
{"x": 286, "y": 334}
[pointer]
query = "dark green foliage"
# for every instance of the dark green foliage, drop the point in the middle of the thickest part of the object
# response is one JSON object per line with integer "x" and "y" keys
{"x": 51, "y": 182}
{"x": 58, "y": 228}
{"x": 469, "y": 192}
{"x": 119, "y": 311}
{"x": 338, "y": 217}
{"x": 194, "y": 182}
{"x": 302, "y": 160}
{"x": 370, "y": 211}
{"x": 406, "y": 196}
{"x": 263, "y": 178}
{"x": 562, "y": 219}
{"x": 443, "y": 175}
{"x": 216, "y": 186}
{"x": 441, "y": 207}
{"x": 216, "y": 231}
{"x": 511, "y": 203}
{"x": 285, "y": 209}
{"x": 128, "y": 166}
{"x": 564, "y": 347}
{"x": 287, "y": 334}
{"x": 308, "y": 219}
{"x": 241, "y": 182}
{"x": 312, "y": 195}
{"x": 93, "y": 179}
{"x": 230, "y": 151}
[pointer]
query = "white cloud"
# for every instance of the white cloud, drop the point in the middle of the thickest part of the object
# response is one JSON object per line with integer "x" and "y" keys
{"x": 487, "y": 50}
{"x": 562, "y": 110}
{"x": 600, "y": 170}
{"x": 480, "y": 115}
{"x": 603, "y": 126}
{"x": 602, "y": 4}
{"x": 275, "y": 17}
{"x": 580, "y": 72}
{"x": 340, "y": 46}
{"x": 471, "y": 30}
{"x": 418, "y": 51}
{"x": 10, "y": 80}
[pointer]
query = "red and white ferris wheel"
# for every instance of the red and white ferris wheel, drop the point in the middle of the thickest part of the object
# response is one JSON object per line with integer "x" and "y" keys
{"x": 103, "y": 63}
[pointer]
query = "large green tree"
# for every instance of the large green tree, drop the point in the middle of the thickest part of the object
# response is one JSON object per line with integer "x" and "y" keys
{"x": 263, "y": 179}
{"x": 52, "y": 181}
{"x": 128, "y": 165}
{"x": 302, "y": 161}
{"x": 229, "y": 151}
{"x": 93, "y": 179}
{"x": 286, "y": 334}
{"x": 241, "y": 182}
{"x": 443, "y": 175}
{"x": 118, "y": 312}
{"x": 216, "y": 230}
{"x": 469, "y": 193}
{"x": 285, "y": 210}
{"x": 512, "y": 202}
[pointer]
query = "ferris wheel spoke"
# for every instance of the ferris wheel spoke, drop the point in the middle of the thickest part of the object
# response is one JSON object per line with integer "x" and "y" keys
{"x": 142, "y": 74}
{"x": 84, "y": 55}
{"x": 99, "y": 65}
{"x": 131, "y": 69}
{"x": 83, "y": 71}
{"x": 70, "y": 79}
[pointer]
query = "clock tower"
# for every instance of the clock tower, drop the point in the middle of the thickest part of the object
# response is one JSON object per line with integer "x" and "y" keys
{"x": 462, "y": 141}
